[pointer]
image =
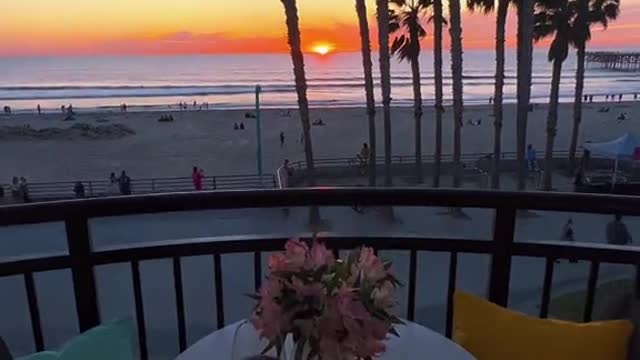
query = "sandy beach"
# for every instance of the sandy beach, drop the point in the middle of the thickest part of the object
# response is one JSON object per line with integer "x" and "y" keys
{"x": 207, "y": 139}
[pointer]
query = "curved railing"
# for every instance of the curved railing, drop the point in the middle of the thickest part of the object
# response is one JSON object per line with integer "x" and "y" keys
{"x": 81, "y": 259}
{"x": 469, "y": 160}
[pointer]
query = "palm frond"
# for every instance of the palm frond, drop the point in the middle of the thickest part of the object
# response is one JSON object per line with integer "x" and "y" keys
{"x": 486, "y": 6}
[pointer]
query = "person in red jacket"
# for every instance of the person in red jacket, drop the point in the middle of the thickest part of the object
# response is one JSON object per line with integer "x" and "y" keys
{"x": 197, "y": 177}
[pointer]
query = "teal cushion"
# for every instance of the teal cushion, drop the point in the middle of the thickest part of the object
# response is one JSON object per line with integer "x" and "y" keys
{"x": 113, "y": 341}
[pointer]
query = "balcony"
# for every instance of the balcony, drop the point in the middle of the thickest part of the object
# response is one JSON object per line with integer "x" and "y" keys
{"x": 180, "y": 263}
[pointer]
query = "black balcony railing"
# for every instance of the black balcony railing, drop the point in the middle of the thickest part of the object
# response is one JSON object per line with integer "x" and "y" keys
{"x": 81, "y": 259}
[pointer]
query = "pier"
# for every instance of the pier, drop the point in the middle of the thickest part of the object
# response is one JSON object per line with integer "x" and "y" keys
{"x": 627, "y": 61}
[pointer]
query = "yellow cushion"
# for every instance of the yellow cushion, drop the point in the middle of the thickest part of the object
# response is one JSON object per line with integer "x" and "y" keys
{"x": 490, "y": 332}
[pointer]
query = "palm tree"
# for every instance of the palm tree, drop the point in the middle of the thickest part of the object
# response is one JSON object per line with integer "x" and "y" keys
{"x": 297, "y": 58}
{"x": 524, "y": 56}
{"x": 553, "y": 18}
{"x": 455, "y": 32}
{"x": 590, "y": 12}
{"x": 382, "y": 9}
{"x": 501, "y": 19}
{"x": 438, "y": 21}
{"x": 361, "y": 9}
{"x": 405, "y": 24}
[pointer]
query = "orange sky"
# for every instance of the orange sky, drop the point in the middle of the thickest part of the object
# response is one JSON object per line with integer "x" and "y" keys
{"x": 37, "y": 27}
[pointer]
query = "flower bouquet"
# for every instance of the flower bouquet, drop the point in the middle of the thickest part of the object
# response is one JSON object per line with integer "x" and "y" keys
{"x": 332, "y": 309}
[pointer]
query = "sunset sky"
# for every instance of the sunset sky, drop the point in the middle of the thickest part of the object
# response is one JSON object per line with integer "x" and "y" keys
{"x": 69, "y": 27}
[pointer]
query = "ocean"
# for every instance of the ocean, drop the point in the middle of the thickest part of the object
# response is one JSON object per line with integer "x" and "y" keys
{"x": 228, "y": 81}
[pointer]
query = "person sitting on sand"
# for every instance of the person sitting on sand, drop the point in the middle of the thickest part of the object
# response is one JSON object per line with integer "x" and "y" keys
{"x": 623, "y": 116}
{"x": 7, "y": 110}
{"x": 249, "y": 115}
{"x": 241, "y": 125}
{"x": 318, "y": 122}
{"x": 474, "y": 122}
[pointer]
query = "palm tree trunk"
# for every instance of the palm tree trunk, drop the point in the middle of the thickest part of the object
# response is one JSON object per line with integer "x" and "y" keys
{"x": 367, "y": 65}
{"x": 293, "y": 30}
{"x": 525, "y": 53}
{"x": 455, "y": 32}
{"x": 417, "y": 113}
{"x": 577, "y": 105}
{"x": 382, "y": 8}
{"x": 552, "y": 122}
{"x": 437, "y": 69}
{"x": 501, "y": 20}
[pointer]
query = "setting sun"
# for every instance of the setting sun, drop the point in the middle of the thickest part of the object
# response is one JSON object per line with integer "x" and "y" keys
{"x": 322, "y": 48}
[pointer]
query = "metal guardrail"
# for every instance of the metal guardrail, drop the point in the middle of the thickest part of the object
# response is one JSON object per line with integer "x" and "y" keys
{"x": 82, "y": 260}
{"x": 468, "y": 160}
{"x": 97, "y": 188}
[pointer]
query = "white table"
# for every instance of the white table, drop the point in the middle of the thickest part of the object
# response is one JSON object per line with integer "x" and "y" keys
{"x": 415, "y": 342}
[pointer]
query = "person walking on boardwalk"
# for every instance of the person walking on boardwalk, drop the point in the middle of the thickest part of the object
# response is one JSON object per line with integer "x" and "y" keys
{"x": 24, "y": 189}
{"x": 196, "y": 176}
{"x": 363, "y": 158}
{"x": 531, "y": 157}
{"x": 125, "y": 183}
{"x": 617, "y": 232}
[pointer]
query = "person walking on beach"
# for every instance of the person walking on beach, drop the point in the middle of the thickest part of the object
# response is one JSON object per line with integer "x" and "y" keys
{"x": 125, "y": 183}
{"x": 617, "y": 232}
{"x": 490, "y": 100}
{"x": 619, "y": 97}
{"x": 531, "y": 157}
{"x": 196, "y": 176}
{"x": 39, "y": 110}
{"x": 281, "y": 138}
{"x": 590, "y": 98}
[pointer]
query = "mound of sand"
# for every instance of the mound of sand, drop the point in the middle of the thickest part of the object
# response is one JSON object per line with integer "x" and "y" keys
{"x": 75, "y": 132}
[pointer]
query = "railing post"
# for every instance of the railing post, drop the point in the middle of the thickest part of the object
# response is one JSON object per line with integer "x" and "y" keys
{"x": 503, "y": 237}
{"x": 84, "y": 283}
